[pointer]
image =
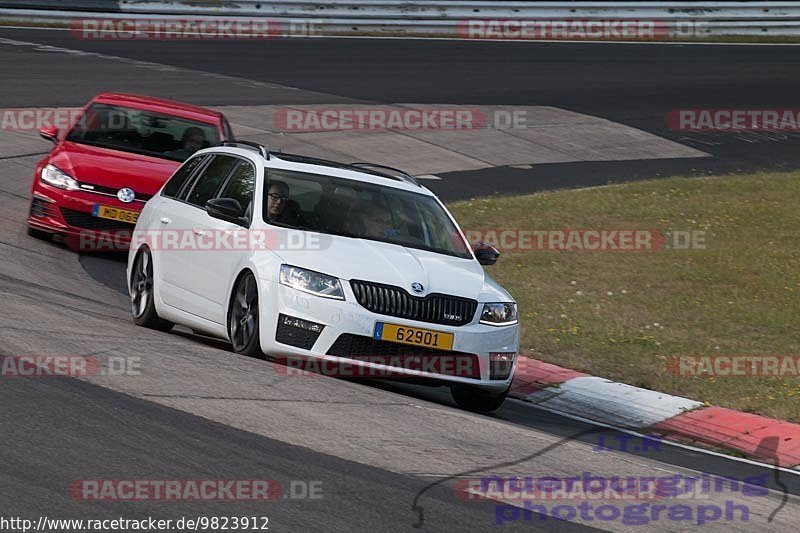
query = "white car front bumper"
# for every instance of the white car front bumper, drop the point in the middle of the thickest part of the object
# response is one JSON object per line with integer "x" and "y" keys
{"x": 473, "y": 341}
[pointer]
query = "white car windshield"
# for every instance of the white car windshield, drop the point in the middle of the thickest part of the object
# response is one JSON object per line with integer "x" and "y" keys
{"x": 360, "y": 210}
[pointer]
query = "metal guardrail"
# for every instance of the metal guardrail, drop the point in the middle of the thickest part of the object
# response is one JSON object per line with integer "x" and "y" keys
{"x": 65, "y": 5}
{"x": 429, "y": 17}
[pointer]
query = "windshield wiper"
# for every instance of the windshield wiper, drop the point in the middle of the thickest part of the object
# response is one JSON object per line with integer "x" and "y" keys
{"x": 316, "y": 230}
{"x": 290, "y": 226}
{"x": 343, "y": 234}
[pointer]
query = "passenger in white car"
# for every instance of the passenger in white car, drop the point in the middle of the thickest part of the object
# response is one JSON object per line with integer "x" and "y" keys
{"x": 280, "y": 207}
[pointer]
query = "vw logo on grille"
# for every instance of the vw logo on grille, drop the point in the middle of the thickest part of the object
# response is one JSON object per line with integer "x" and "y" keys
{"x": 126, "y": 195}
{"x": 417, "y": 287}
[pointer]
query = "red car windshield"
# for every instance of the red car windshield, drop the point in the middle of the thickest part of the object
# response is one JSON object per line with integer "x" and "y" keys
{"x": 142, "y": 132}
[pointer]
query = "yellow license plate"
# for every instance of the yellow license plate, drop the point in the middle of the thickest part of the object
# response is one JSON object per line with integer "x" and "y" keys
{"x": 113, "y": 213}
{"x": 414, "y": 336}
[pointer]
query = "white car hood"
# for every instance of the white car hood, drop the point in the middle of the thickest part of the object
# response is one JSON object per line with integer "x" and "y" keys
{"x": 391, "y": 264}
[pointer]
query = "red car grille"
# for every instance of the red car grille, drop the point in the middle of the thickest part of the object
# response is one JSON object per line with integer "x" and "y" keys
{"x": 80, "y": 219}
{"x": 112, "y": 191}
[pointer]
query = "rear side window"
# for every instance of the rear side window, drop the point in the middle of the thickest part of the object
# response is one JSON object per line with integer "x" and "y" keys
{"x": 211, "y": 179}
{"x": 173, "y": 187}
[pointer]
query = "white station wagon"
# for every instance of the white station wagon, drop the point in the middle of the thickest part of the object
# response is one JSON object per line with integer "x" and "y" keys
{"x": 320, "y": 262}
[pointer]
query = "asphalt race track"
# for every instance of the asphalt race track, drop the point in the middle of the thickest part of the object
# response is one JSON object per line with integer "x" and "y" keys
{"x": 636, "y": 85}
{"x": 386, "y": 455}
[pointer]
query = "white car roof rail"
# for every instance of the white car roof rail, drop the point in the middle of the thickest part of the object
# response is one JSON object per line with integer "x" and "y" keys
{"x": 260, "y": 147}
{"x": 402, "y": 175}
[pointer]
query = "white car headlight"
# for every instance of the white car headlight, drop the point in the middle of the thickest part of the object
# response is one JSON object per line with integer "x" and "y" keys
{"x": 499, "y": 314}
{"x": 56, "y": 177}
{"x": 311, "y": 282}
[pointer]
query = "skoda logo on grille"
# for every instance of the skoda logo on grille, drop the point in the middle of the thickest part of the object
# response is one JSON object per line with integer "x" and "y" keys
{"x": 126, "y": 195}
{"x": 417, "y": 287}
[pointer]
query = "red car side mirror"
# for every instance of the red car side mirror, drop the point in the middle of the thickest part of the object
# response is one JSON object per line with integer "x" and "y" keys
{"x": 50, "y": 133}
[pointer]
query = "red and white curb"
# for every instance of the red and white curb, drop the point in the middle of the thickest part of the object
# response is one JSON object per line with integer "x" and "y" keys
{"x": 579, "y": 395}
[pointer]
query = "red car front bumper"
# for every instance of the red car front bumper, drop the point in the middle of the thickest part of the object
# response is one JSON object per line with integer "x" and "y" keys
{"x": 70, "y": 214}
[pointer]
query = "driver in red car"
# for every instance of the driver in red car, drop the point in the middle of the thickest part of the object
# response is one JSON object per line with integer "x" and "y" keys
{"x": 193, "y": 140}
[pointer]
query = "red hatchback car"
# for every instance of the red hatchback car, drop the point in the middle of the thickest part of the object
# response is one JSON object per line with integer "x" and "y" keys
{"x": 121, "y": 149}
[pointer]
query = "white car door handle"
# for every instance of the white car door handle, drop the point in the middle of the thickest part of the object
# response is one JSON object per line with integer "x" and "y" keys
{"x": 165, "y": 220}
{"x": 199, "y": 232}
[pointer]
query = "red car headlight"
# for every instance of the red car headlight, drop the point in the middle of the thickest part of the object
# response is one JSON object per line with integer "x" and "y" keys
{"x": 52, "y": 175}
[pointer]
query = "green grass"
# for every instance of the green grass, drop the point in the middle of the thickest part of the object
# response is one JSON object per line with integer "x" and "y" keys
{"x": 620, "y": 315}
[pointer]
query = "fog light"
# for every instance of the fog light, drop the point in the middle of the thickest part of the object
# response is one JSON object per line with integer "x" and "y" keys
{"x": 500, "y": 364}
{"x": 287, "y": 320}
{"x": 297, "y": 332}
{"x": 41, "y": 208}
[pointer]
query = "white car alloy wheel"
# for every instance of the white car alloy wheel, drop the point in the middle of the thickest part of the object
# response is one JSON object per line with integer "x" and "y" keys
{"x": 243, "y": 322}
{"x": 142, "y": 293}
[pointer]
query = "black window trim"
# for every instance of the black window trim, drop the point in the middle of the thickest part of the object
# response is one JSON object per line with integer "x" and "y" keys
{"x": 189, "y": 179}
{"x": 195, "y": 175}
{"x": 228, "y": 179}
{"x": 227, "y": 131}
{"x": 185, "y": 197}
